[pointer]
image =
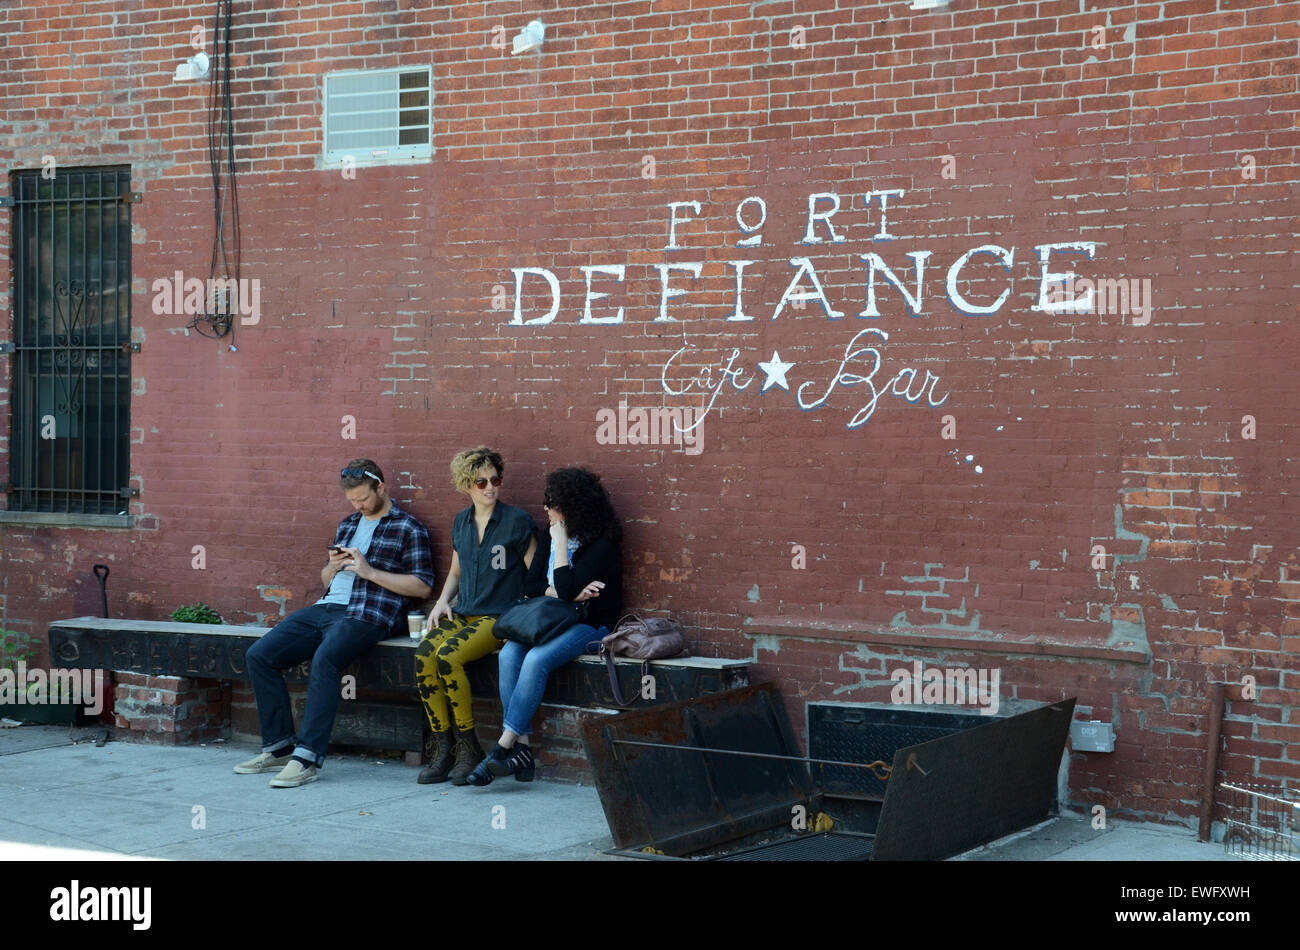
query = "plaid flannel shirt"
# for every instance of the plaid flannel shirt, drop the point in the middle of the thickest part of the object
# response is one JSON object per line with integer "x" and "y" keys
{"x": 401, "y": 546}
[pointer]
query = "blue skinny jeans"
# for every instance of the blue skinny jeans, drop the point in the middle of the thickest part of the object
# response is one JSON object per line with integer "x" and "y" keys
{"x": 522, "y": 672}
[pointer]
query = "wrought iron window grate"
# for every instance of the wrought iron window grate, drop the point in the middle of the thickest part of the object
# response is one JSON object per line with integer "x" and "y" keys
{"x": 71, "y": 371}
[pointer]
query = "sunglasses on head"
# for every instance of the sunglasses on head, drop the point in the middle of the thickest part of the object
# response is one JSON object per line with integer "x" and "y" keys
{"x": 359, "y": 473}
{"x": 482, "y": 483}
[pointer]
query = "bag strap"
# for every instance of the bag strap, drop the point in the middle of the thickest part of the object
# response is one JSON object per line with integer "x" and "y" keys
{"x": 613, "y": 678}
{"x": 627, "y": 616}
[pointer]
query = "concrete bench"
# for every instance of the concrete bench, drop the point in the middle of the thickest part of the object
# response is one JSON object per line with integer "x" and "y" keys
{"x": 188, "y": 682}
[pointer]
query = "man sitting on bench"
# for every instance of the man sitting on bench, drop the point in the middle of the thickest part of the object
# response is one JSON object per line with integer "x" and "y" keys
{"x": 380, "y": 556}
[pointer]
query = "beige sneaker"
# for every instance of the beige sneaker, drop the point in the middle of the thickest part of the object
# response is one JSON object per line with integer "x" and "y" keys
{"x": 266, "y": 762}
{"x": 294, "y": 774}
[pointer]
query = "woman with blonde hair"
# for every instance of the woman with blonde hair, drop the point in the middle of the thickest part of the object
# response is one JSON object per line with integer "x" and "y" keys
{"x": 492, "y": 548}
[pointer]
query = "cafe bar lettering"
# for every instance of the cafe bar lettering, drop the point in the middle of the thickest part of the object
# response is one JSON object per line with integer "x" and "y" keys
{"x": 861, "y": 361}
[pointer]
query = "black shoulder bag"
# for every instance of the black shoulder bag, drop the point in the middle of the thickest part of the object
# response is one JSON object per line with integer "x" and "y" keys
{"x": 537, "y": 620}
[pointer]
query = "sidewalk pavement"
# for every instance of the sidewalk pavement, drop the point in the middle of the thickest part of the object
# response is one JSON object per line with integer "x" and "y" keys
{"x": 1072, "y": 838}
{"x": 68, "y": 801}
{"x": 184, "y": 802}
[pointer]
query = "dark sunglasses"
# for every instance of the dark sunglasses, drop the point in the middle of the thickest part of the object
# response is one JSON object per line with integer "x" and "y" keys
{"x": 482, "y": 483}
{"x": 359, "y": 473}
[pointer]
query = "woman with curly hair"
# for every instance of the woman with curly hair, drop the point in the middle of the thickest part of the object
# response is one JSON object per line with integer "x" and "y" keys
{"x": 580, "y": 560}
{"x": 492, "y": 548}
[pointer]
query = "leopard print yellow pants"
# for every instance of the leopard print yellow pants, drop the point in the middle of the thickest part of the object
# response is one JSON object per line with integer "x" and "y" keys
{"x": 440, "y": 669}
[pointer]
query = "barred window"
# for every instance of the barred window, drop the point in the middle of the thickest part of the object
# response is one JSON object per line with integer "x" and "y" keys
{"x": 69, "y": 427}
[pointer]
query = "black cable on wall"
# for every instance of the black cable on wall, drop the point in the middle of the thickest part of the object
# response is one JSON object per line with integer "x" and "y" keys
{"x": 218, "y": 318}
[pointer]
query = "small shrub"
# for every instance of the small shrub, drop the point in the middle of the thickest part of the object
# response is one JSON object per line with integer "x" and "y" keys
{"x": 196, "y": 613}
{"x": 15, "y": 646}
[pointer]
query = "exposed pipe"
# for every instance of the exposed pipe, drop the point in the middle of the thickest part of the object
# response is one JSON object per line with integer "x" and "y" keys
{"x": 1237, "y": 693}
{"x": 1211, "y": 760}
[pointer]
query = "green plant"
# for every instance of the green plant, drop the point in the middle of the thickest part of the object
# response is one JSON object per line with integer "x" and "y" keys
{"x": 196, "y": 613}
{"x": 15, "y": 647}
{"x": 48, "y": 698}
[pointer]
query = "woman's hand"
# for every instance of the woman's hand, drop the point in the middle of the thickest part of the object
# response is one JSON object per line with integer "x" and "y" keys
{"x": 440, "y": 608}
{"x": 591, "y": 590}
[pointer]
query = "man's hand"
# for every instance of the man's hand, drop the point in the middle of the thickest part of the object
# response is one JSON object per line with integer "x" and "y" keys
{"x": 351, "y": 559}
{"x": 356, "y": 562}
{"x": 337, "y": 558}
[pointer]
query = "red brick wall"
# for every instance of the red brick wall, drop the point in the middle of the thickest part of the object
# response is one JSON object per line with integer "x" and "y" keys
{"x": 170, "y": 709}
{"x": 1090, "y": 429}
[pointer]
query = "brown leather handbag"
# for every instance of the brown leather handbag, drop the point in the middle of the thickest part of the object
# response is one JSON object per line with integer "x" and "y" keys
{"x": 654, "y": 638}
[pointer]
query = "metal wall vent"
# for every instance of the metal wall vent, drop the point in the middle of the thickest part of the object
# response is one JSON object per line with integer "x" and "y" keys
{"x": 378, "y": 116}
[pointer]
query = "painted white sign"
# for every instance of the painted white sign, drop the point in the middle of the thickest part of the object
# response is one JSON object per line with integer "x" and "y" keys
{"x": 862, "y": 364}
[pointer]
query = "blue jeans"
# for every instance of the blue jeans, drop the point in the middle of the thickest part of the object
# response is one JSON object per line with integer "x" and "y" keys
{"x": 522, "y": 672}
{"x": 320, "y": 633}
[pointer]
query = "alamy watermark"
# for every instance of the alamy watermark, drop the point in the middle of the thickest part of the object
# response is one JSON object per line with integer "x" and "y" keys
{"x": 76, "y": 902}
{"x": 177, "y": 295}
{"x": 23, "y": 687}
{"x": 1108, "y": 295}
{"x": 963, "y": 686}
{"x": 663, "y": 425}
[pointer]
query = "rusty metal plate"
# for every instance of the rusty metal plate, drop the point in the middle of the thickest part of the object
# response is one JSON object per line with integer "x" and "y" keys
{"x": 854, "y": 732}
{"x": 667, "y": 780}
{"x": 679, "y": 801}
{"x": 831, "y": 846}
{"x": 952, "y": 794}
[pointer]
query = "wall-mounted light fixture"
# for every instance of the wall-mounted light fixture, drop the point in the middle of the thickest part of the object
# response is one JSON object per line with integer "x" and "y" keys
{"x": 530, "y": 38}
{"x": 196, "y": 67}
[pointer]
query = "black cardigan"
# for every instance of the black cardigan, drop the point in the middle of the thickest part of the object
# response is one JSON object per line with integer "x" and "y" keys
{"x": 601, "y": 560}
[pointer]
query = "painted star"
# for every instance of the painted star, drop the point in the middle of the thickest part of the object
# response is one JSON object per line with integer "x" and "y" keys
{"x": 775, "y": 370}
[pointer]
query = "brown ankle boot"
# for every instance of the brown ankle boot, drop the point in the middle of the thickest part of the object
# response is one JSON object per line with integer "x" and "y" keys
{"x": 437, "y": 753}
{"x": 468, "y": 754}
